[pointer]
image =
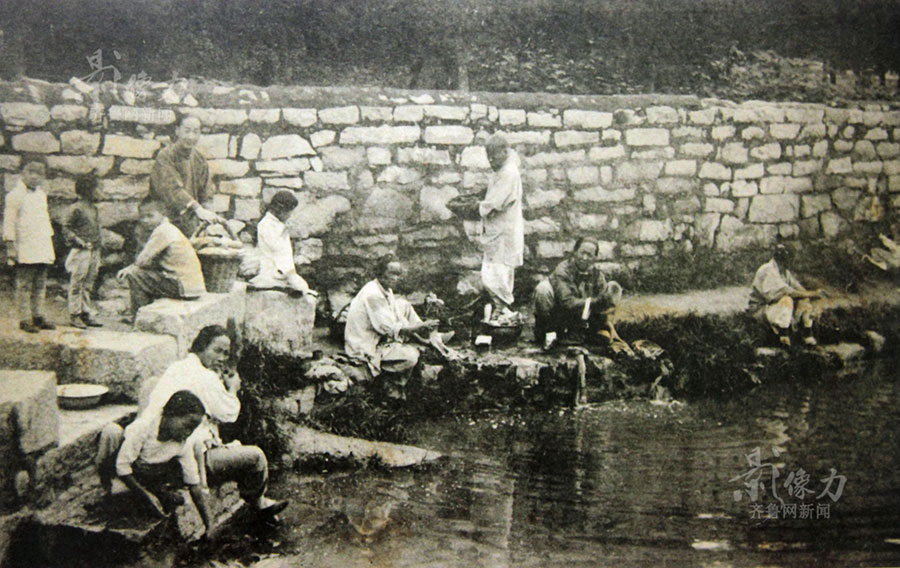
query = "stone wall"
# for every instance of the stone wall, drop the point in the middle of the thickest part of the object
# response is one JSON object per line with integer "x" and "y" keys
{"x": 374, "y": 169}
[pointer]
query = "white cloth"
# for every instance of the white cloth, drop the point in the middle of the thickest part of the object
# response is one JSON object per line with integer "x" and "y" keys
{"x": 499, "y": 280}
{"x": 770, "y": 297}
{"x": 375, "y": 316}
{"x": 780, "y": 313}
{"x": 503, "y": 227}
{"x": 770, "y": 284}
{"x": 141, "y": 444}
{"x": 26, "y": 221}
{"x": 276, "y": 256}
{"x": 189, "y": 374}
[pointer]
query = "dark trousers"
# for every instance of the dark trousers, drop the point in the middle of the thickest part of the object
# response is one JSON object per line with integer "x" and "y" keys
{"x": 31, "y": 289}
{"x": 549, "y": 316}
{"x": 148, "y": 285}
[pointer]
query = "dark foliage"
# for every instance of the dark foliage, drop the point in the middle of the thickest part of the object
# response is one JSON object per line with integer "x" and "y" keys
{"x": 700, "y": 269}
{"x": 723, "y": 47}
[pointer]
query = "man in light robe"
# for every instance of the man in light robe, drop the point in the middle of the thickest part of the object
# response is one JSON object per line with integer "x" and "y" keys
{"x": 503, "y": 234}
{"x": 778, "y": 299}
{"x": 379, "y": 322}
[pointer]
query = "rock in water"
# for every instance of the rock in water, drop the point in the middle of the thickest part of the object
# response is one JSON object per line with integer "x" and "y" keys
{"x": 876, "y": 341}
{"x": 844, "y": 353}
{"x": 308, "y": 442}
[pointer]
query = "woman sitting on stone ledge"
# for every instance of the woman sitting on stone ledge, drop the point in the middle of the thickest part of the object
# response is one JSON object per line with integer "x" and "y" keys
{"x": 276, "y": 255}
{"x": 204, "y": 458}
{"x": 778, "y": 299}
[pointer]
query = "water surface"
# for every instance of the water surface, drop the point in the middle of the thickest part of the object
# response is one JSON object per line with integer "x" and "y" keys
{"x": 622, "y": 484}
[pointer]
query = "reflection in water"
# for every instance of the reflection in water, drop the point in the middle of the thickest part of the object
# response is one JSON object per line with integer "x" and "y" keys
{"x": 623, "y": 484}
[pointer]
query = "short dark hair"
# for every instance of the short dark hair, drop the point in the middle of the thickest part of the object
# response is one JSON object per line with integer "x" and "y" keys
{"x": 183, "y": 403}
{"x": 284, "y": 200}
{"x": 85, "y": 185}
{"x": 382, "y": 264}
{"x": 206, "y": 336}
{"x": 581, "y": 240}
{"x": 150, "y": 202}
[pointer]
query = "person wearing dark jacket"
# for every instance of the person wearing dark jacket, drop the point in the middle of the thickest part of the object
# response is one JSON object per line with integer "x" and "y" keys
{"x": 577, "y": 300}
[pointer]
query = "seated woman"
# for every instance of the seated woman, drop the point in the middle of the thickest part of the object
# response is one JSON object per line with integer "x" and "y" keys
{"x": 778, "y": 299}
{"x": 204, "y": 375}
{"x": 276, "y": 255}
{"x": 379, "y": 323}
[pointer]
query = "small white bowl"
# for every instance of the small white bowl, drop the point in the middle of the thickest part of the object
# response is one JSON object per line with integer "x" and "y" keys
{"x": 76, "y": 396}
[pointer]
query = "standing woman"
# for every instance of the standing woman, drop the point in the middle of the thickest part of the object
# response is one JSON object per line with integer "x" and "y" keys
{"x": 503, "y": 236}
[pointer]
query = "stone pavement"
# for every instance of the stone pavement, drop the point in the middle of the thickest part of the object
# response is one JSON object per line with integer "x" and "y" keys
{"x": 733, "y": 299}
{"x": 729, "y": 300}
{"x": 119, "y": 360}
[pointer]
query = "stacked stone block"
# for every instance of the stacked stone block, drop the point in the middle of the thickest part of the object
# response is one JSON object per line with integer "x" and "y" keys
{"x": 374, "y": 171}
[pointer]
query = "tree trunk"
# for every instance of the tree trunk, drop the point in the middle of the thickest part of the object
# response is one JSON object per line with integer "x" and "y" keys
{"x": 462, "y": 66}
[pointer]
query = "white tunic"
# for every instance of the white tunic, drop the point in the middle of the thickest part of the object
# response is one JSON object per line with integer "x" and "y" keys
{"x": 141, "y": 444}
{"x": 26, "y": 221}
{"x": 276, "y": 256}
{"x": 503, "y": 234}
{"x": 375, "y": 315}
{"x": 189, "y": 374}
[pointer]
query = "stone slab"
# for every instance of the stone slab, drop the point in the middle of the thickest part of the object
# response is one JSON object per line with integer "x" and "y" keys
{"x": 183, "y": 319}
{"x": 28, "y": 425}
{"x": 279, "y": 322}
{"x": 844, "y": 353}
{"x": 28, "y": 400}
{"x": 308, "y": 442}
{"x": 84, "y": 518}
{"x": 78, "y": 431}
{"x": 119, "y": 360}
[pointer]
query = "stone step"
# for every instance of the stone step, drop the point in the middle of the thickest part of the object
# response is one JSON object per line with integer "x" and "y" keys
{"x": 60, "y": 468}
{"x": 282, "y": 323}
{"x": 28, "y": 409}
{"x": 306, "y": 442}
{"x": 119, "y": 360}
{"x": 183, "y": 319}
{"x": 29, "y": 425}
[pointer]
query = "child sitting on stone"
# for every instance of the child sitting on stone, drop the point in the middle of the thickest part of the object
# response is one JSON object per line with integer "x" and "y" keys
{"x": 171, "y": 446}
{"x": 276, "y": 254}
{"x": 150, "y": 452}
{"x": 166, "y": 267}
{"x": 82, "y": 230}
{"x": 29, "y": 244}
